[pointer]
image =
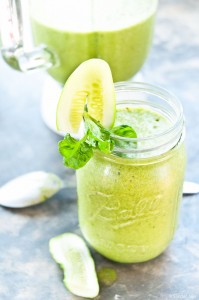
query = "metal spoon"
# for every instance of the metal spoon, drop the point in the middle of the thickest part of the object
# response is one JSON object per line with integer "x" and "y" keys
{"x": 190, "y": 188}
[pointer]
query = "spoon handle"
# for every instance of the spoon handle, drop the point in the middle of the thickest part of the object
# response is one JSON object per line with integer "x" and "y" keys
{"x": 190, "y": 188}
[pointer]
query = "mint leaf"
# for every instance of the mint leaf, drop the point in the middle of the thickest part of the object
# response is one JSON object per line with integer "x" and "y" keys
{"x": 76, "y": 153}
{"x": 124, "y": 131}
{"x": 98, "y": 136}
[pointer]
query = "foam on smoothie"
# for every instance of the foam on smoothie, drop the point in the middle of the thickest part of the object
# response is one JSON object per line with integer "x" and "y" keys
{"x": 145, "y": 122}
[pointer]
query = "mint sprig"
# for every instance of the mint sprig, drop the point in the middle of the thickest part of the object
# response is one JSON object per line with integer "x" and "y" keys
{"x": 76, "y": 153}
{"x": 98, "y": 136}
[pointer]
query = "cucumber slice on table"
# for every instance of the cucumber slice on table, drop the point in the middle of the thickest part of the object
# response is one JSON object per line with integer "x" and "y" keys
{"x": 71, "y": 252}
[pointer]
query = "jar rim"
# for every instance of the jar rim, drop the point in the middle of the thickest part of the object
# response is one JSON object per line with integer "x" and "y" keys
{"x": 173, "y": 132}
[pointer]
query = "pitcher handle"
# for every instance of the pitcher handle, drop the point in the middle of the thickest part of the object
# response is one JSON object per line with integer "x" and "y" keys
{"x": 15, "y": 48}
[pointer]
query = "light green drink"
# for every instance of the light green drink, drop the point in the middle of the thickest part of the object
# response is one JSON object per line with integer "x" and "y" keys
{"x": 118, "y": 31}
{"x": 129, "y": 201}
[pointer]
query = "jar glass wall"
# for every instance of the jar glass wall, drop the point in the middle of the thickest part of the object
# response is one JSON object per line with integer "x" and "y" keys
{"x": 128, "y": 201}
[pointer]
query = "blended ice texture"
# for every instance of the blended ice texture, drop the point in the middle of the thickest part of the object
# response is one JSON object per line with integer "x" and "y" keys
{"x": 118, "y": 31}
{"x": 128, "y": 208}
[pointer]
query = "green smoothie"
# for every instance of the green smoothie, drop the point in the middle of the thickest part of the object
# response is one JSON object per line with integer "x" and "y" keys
{"x": 128, "y": 206}
{"x": 119, "y": 32}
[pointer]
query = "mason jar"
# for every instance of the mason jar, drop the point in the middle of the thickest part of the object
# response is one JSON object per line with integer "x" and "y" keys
{"x": 129, "y": 200}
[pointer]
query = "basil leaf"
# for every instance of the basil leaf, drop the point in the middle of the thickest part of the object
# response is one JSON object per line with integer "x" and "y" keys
{"x": 76, "y": 153}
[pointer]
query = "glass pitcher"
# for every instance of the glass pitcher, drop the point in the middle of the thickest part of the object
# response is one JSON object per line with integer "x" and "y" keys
{"x": 58, "y": 35}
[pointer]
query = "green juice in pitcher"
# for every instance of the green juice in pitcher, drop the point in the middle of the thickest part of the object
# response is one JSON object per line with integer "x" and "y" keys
{"x": 120, "y": 32}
